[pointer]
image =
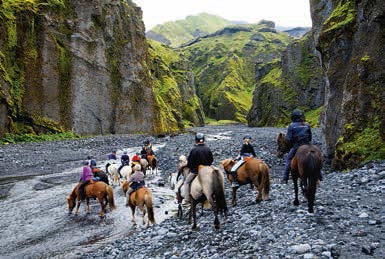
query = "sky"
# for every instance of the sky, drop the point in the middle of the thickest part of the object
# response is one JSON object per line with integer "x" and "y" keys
{"x": 288, "y": 13}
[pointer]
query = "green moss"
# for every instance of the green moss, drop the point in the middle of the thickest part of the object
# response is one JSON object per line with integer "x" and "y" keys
{"x": 361, "y": 146}
{"x": 30, "y": 137}
{"x": 313, "y": 117}
{"x": 343, "y": 15}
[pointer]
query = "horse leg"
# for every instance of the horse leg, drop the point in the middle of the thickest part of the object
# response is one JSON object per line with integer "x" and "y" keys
{"x": 132, "y": 206}
{"x": 217, "y": 225}
{"x": 88, "y": 205}
{"x": 295, "y": 181}
{"x": 234, "y": 196}
{"x": 103, "y": 211}
{"x": 193, "y": 213}
{"x": 259, "y": 195}
{"x": 77, "y": 206}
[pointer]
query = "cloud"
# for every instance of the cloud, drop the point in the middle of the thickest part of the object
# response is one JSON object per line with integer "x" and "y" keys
{"x": 282, "y": 12}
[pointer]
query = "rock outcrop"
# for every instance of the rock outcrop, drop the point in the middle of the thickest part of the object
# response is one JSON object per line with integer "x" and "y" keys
{"x": 350, "y": 37}
{"x": 295, "y": 80}
{"x": 80, "y": 64}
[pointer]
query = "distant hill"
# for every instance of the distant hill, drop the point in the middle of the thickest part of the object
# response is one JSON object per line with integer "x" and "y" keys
{"x": 298, "y": 32}
{"x": 224, "y": 65}
{"x": 180, "y": 32}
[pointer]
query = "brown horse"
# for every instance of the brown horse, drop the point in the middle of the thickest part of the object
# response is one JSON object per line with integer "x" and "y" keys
{"x": 140, "y": 198}
{"x": 97, "y": 190}
{"x": 152, "y": 161}
{"x": 306, "y": 165}
{"x": 207, "y": 186}
{"x": 255, "y": 172}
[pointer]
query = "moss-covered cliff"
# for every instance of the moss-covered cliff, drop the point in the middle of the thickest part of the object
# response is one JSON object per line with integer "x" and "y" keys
{"x": 224, "y": 65}
{"x": 75, "y": 65}
{"x": 350, "y": 37}
{"x": 174, "y": 89}
{"x": 294, "y": 81}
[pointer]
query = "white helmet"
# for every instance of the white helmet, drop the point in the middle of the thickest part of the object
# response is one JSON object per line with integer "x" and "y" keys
{"x": 137, "y": 167}
{"x": 182, "y": 159}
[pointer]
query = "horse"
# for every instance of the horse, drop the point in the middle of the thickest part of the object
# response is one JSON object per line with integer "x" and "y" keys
{"x": 208, "y": 185}
{"x": 98, "y": 190}
{"x": 102, "y": 175}
{"x": 306, "y": 165}
{"x": 144, "y": 165}
{"x": 152, "y": 163}
{"x": 140, "y": 198}
{"x": 125, "y": 172}
{"x": 253, "y": 171}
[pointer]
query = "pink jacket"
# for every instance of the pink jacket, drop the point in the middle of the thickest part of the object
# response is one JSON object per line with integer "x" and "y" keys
{"x": 87, "y": 174}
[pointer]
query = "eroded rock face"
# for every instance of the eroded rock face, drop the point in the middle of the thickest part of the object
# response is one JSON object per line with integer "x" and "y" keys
{"x": 351, "y": 38}
{"x": 295, "y": 81}
{"x": 85, "y": 66}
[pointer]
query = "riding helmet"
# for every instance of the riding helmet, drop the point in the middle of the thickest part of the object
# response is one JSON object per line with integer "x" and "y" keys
{"x": 199, "y": 137}
{"x": 296, "y": 114}
{"x": 246, "y": 137}
{"x": 125, "y": 152}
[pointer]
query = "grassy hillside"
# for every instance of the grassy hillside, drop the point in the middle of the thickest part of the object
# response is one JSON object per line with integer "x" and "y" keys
{"x": 182, "y": 31}
{"x": 175, "y": 95}
{"x": 224, "y": 65}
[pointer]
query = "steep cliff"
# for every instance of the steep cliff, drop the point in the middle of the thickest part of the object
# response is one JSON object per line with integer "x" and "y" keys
{"x": 224, "y": 64}
{"x": 78, "y": 65}
{"x": 296, "y": 80}
{"x": 350, "y": 36}
{"x": 174, "y": 89}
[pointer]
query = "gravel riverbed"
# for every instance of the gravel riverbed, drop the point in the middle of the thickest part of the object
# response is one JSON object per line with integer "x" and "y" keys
{"x": 349, "y": 210}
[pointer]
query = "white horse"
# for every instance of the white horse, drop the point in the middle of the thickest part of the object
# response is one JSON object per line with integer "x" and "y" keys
{"x": 125, "y": 172}
{"x": 112, "y": 172}
{"x": 144, "y": 165}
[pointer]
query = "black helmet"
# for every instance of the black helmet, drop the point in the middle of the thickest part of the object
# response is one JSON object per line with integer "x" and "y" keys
{"x": 296, "y": 115}
{"x": 199, "y": 137}
{"x": 146, "y": 142}
{"x": 246, "y": 137}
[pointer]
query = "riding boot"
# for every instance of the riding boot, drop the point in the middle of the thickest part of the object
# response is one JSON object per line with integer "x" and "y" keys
{"x": 189, "y": 179}
{"x": 285, "y": 175}
{"x": 129, "y": 191}
{"x": 320, "y": 177}
{"x": 235, "y": 182}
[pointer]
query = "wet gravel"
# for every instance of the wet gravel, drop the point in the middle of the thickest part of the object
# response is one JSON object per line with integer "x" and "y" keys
{"x": 349, "y": 211}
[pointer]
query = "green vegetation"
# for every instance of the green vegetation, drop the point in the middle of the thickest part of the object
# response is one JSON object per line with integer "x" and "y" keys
{"x": 19, "y": 138}
{"x": 343, "y": 15}
{"x": 182, "y": 31}
{"x": 224, "y": 65}
{"x": 362, "y": 146}
{"x": 313, "y": 117}
{"x": 213, "y": 122}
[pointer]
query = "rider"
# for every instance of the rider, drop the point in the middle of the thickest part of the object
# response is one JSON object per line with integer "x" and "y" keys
{"x": 91, "y": 161}
{"x": 247, "y": 150}
{"x": 135, "y": 181}
{"x": 85, "y": 179}
{"x": 111, "y": 159}
{"x": 147, "y": 144}
{"x": 200, "y": 154}
{"x": 135, "y": 159}
{"x": 298, "y": 134}
{"x": 143, "y": 153}
{"x": 125, "y": 160}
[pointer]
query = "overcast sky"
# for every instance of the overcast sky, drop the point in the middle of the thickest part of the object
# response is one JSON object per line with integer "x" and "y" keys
{"x": 282, "y": 12}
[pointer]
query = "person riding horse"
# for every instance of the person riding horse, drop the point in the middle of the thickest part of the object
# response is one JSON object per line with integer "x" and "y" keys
{"x": 135, "y": 159}
{"x": 135, "y": 181}
{"x": 247, "y": 150}
{"x": 111, "y": 159}
{"x": 200, "y": 154}
{"x": 125, "y": 160}
{"x": 298, "y": 134}
{"x": 85, "y": 179}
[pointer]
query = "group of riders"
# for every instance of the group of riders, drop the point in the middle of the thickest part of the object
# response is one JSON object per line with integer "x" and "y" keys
{"x": 298, "y": 133}
{"x": 91, "y": 173}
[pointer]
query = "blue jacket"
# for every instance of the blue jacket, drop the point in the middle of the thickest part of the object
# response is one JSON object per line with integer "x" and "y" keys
{"x": 299, "y": 133}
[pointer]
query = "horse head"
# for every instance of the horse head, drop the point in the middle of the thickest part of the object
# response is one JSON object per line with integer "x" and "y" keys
{"x": 71, "y": 204}
{"x": 227, "y": 164}
{"x": 283, "y": 145}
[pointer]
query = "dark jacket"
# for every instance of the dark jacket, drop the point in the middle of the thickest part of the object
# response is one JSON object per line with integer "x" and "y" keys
{"x": 111, "y": 156}
{"x": 199, "y": 155}
{"x": 247, "y": 148}
{"x": 299, "y": 133}
{"x": 125, "y": 159}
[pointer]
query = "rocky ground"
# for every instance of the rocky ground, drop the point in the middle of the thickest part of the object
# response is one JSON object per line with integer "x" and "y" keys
{"x": 347, "y": 223}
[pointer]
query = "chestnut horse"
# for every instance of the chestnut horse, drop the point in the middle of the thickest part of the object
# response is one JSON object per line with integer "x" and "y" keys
{"x": 306, "y": 165}
{"x": 255, "y": 172}
{"x": 97, "y": 190}
{"x": 207, "y": 186}
{"x": 140, "y": 198}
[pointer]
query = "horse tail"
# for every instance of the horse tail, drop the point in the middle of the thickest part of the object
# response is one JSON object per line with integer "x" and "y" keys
{"x": 312, "y": 168}
{"x": 150, "y": 209}
{"x": 218, "y": 190}
{"x": 265, "y": 178}
{"x": 110, "y": 197}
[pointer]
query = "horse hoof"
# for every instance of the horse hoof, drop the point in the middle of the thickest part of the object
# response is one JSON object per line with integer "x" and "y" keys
{"x": 258, "y": 200}
{"x": 296, "y": 202}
